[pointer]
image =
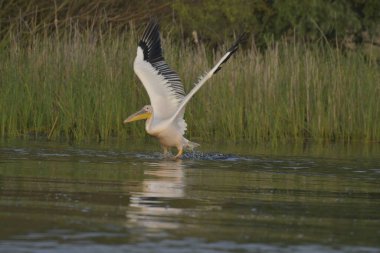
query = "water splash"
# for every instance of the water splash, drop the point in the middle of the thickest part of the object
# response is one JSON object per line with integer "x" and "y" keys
{"x": 198, "y": 155}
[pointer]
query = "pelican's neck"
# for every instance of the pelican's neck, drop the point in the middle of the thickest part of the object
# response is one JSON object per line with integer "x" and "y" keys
{"x": 148, "y": 124}
{"x": 155, "y": 126}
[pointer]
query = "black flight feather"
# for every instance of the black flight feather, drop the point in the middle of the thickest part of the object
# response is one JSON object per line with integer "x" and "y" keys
{"x": 150, "y": 43}
{"x": 243, "y": 37}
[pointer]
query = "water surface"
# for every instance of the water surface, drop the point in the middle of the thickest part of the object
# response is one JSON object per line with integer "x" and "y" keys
{"x": 56, "y": 197}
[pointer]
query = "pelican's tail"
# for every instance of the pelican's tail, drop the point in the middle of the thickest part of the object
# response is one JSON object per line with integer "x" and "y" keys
{"x": 190, "y": 145}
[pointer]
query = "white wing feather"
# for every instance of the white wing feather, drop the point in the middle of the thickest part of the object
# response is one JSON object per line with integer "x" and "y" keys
{"x": 207, "y": 76}
{"x": 162, "y": 84}
{"x": 162, "y": 99}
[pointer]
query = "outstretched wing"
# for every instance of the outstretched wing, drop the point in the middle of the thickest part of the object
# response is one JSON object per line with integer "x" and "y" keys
{"x": 163, "y": 85}
{"x": 208, "y": 75}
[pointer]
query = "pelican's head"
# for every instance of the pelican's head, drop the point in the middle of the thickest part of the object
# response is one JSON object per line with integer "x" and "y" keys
{"x": 145, "y": 113}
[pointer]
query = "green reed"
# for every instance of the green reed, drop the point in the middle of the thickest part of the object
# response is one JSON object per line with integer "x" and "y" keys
{"x": 81, "y": 85}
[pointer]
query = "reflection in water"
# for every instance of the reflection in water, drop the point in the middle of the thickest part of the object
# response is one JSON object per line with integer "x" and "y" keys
{"x": 164, "y": 181}
{"x": 71, "y": 199}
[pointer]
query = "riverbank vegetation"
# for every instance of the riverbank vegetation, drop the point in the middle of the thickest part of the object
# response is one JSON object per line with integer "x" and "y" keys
{"x": 75, "y": 81}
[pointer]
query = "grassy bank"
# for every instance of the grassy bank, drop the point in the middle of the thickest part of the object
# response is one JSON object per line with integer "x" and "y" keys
{"x": 81, "y": 85}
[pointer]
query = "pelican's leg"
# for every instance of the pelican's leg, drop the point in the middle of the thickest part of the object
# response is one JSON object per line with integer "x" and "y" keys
{"x": 166, "y": 152}
{"x": 180, "y": 152}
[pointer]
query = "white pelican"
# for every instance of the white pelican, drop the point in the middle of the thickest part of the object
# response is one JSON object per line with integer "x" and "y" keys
{"x": 164, "y": 117}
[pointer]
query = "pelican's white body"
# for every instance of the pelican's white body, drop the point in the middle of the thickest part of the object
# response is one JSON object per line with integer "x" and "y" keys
{"x": 165, "y": 90}
{"x": 161, "y": 125}
{"x": 170, "y": 134}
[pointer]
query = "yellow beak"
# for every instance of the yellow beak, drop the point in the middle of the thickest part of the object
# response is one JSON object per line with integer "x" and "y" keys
{"x": 142, "y": 114}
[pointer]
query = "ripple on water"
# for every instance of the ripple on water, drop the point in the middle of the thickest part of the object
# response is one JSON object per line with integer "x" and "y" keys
{"x": 86, "y": 243}
{"x": 166, "y": 206}
{"x": 196, "y": 155}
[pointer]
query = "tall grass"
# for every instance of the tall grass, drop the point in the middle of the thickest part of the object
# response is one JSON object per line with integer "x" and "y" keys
{"x": 80, "y": 85}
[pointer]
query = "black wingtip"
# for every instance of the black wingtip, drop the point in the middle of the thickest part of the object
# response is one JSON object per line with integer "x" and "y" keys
{"x": 242, "y": 38}
{"x": 217, "y": 70}
{"x": 153, "y": 24}
{"x": 151, "y": 30}
{"x": 151, "y": 42}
